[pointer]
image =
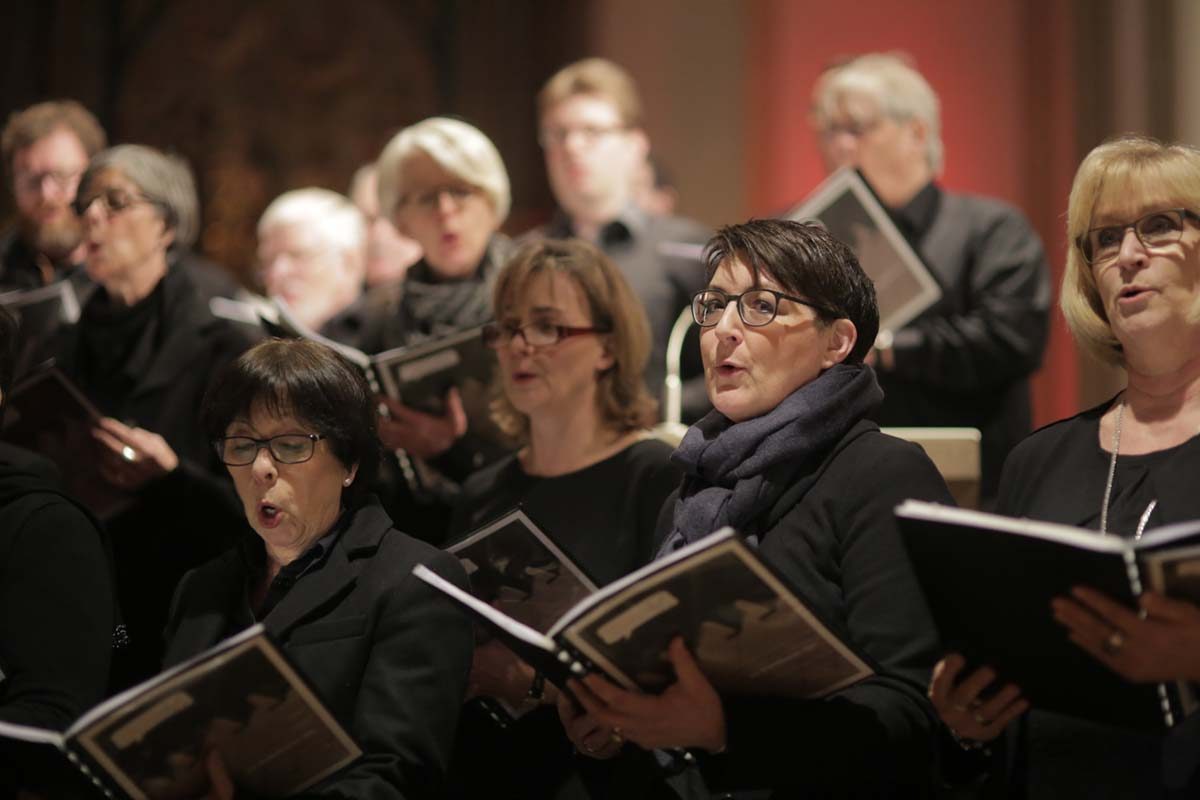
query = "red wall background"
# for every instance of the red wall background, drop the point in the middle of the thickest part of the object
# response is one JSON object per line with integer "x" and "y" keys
{"x": 1004, "y": 74}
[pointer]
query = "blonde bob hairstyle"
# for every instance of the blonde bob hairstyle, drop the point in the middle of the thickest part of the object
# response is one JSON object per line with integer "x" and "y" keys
{"x": 1129, "y": 167}
{"x": 622, "y": 400}
{"x": 892, "y": 86}
{"x": 460, "y": 149}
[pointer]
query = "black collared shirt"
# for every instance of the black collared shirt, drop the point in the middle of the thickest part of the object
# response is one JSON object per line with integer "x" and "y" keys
{"x": 915, "y": 218}
{"x": 660, "y": 257}
{"x": 254, "y": 552}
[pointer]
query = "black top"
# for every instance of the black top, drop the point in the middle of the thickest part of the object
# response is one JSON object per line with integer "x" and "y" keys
{"x": 56, "y": 599}
{"x": 1058, "y": 475}
{"x": 386, "y": 652}
{"x": 418, "y": 308}
{"x": 839, "y": 547}
{"x": 966, "y": 360}
{"x": 659, "y": 255}
{"x": 603, "y": 516}
{"x": 175, "y": 347}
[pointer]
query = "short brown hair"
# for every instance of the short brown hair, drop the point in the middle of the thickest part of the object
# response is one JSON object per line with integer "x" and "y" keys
{"x": 597, "y": 76}
{"x": 41, "y": 119}
{"x": 1129, "y": 166}
{"x": 622, "y": 400}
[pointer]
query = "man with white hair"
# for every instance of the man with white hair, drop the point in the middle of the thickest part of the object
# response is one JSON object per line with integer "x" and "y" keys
{"x": 966, "y": 361}
{"x": 312, "y": 255}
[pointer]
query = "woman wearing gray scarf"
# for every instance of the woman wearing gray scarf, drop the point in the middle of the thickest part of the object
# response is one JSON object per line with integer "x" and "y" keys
{"x": 790, "y": 459}
{"x": 442, "y": 183}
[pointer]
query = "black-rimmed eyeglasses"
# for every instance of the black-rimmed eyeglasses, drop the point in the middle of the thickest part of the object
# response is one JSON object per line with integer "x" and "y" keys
{"x": 757, "y": 307}
{"x": 1156, "y": 229}
{"x": 112, "y": 201}
{"x": 535, "y": 334}
{"x": 287, "y": 448}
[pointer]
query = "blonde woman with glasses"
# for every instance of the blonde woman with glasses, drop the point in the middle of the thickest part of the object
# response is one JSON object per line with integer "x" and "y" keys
{"x": 1130, "y": 295}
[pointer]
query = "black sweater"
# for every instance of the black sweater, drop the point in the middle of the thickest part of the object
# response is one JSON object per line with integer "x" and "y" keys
{"x": 839, "y": 546}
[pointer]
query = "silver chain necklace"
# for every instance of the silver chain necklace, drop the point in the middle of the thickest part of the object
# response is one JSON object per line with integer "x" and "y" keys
{"x": 1108, "y": 484}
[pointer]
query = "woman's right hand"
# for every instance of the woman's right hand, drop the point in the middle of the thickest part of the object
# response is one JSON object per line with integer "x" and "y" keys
{"x": 961, "y": 707}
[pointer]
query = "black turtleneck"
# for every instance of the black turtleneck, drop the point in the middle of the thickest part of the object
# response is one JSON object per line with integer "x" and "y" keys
{"x": 118, "y": 345}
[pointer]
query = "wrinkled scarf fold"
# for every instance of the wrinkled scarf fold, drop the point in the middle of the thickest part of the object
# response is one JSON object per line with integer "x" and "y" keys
{"x": 433, "y": 307}
{"x": 734, "y": 472}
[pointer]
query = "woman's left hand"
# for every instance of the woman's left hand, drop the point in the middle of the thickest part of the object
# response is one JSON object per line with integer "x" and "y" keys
{"x": 1160, "y": 644}
{"x": 688, "y": 713}
{"x": 132, "y": 457}
{"x": 220, "y": 783}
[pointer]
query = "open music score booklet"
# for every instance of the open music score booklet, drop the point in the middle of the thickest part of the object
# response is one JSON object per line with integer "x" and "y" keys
{"x": 749, "y": 632}
{"x": 242, "y": 698}
{"x": 989, "y": 580}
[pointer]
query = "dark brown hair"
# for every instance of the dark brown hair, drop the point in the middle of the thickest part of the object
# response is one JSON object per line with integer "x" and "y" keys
{"x": 314, "y": 384}
{"x": 808, "y": 262}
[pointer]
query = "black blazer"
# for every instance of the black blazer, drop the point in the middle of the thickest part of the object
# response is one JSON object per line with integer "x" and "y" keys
{"x": 838, "y": 545}
{"x": 387, "y": 653}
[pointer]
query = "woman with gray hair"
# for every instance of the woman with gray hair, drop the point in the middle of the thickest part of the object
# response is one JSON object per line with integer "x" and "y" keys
{"x": 443, "y": 183}
{"x": 143, "y": 352}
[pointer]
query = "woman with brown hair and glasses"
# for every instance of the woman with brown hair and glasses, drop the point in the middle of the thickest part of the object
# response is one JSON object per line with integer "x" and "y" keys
{"x": 1130, "y": 295}
{"x": 572, "y": 343}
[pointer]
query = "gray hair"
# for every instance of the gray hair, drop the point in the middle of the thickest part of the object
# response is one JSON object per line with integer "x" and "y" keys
{"x": 895, "y": 87}
{"x": 461, "y": 149}
{"x": 164, "y": 178}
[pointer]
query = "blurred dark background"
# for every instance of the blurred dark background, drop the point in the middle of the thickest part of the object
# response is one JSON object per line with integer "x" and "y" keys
{"x": 263, "y": 96}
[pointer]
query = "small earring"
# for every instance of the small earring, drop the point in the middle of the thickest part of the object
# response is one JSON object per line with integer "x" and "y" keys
{"x": 347, "y": 482}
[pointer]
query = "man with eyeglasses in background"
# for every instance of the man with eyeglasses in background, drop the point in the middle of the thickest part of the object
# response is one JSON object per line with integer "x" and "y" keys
{"x": 46, "y": 148}
{"x": 590, "y": 130}
{"x": 965, "y": 361}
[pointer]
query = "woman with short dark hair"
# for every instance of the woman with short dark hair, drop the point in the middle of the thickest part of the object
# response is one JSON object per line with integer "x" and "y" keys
{"x": 789, "y": 458}
{"x": 324, "y": 570}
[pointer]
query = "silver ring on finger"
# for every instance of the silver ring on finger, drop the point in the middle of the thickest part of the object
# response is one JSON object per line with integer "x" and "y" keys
{"x": 979, "y": 720}
{"x": 1113, "y": 643}
{"x": 129, "y": 454}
